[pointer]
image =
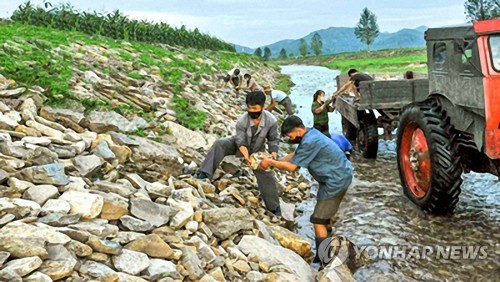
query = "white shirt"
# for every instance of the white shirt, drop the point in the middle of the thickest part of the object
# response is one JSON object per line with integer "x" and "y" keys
{"x": 278, "y": 95}
{"x": 231, "y": 72}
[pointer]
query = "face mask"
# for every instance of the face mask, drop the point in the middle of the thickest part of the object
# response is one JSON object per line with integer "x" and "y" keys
{"x": 254, "y": 115}
{"x": 295, "y": 141}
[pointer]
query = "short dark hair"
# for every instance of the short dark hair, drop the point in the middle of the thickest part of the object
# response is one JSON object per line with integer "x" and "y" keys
{"x": 290, "y": 124}
{"x": 409, "y": 75}
{"x": 351, "y": 71}
{"x": 247, "y": 75}
{"x": 236, "y": 71}
{"x": 316, "y": 95}
{"x": 256, "y": 98}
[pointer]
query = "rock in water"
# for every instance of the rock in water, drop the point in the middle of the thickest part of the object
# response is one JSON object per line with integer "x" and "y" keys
{"x": 45, "y": 174}
{"x": 274, "y": 255}
{"x": 224, "y": 222}
{"x": 131, "y": 262}
{"x": 86, "y": 204}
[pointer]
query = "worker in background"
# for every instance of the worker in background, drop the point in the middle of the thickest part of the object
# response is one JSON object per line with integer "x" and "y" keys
{"x": 320, "y": 109}
{"x": 342, "y": 142}
{"x": 234, "y": 78}
{"x": 353, "y": 84}
{"x": 278, "y": 97}
{"x": 250, "y": 84}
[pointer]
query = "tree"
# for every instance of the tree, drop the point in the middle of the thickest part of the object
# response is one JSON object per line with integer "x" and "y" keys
{"x": 267, "y": 53}
{"x": 367, "y": 28}
{"x": 478, "y": 10}
{"x": 258, "y": 52}
{"x": 316, "y": 44}
{"x": 283, "y": 53}
{"x": 303, "y": 47}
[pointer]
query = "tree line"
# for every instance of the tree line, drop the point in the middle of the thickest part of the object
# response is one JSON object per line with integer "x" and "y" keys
{"x": 115, "y": 25}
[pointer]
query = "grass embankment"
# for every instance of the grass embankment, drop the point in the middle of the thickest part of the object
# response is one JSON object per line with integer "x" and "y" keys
{"x": 43, "y": 56}
{"x": 382, "y": 61}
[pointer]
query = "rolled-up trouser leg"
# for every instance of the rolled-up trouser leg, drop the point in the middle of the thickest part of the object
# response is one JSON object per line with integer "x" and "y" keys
{"x": 268, "y": 189}
{"x": 287, "y": 103}
{"x": 221, "y": 148}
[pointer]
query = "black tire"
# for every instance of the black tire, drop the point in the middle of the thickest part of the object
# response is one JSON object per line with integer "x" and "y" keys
{"x": 367, "y": 137}
{"x": 349, "y": 130}
{"x": 443, "y": 191}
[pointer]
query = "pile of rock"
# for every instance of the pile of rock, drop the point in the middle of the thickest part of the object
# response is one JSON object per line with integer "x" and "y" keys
{"x": 82, "y": 201}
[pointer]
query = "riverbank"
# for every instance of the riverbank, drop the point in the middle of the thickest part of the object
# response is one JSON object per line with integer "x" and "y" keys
{"x": 392, "y": 61}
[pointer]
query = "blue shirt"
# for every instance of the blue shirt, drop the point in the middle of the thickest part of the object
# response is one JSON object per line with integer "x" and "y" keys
{"x": 341, "y": 141}
{"x": 325, "y": 161}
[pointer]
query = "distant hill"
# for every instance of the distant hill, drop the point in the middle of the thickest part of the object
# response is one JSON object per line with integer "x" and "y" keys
{"x": 243, "y": 49}
{"x": 342, "y": 39}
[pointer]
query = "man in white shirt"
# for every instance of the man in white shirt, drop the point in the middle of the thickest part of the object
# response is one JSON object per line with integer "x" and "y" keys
{"x": 235, "y": 78}
{"x": 278, "y": 97}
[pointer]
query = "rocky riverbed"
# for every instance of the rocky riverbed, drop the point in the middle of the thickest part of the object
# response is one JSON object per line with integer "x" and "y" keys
{"x": 376, "y": 213}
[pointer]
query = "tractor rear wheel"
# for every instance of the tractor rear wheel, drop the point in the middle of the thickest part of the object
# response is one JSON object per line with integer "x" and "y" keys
{"x": 429, "y": 166}
{"x": 349, "y": 130}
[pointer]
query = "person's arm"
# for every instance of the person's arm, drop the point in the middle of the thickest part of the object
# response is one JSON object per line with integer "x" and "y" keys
{"x": 319, "y": 109}
{"x": 273, "y": 139}
{"x": 231, "y": 81}
{"x": 287, "y": 166}
{"x": 287, "y": 158}
{"x": 241, "y": 139}
{"x": 272, "y": 105}
{"x": 344, "y": 87}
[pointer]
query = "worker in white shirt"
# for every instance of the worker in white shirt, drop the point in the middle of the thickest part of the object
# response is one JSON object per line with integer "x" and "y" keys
{"x": 235, "y": 78}
{"x": 278, "y": 97}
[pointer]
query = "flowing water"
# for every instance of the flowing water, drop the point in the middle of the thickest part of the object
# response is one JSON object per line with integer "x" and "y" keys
{"x": 376, "y": 213}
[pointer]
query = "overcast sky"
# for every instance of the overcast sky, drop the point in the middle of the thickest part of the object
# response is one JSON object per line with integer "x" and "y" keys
{"x": 255, "y": 23}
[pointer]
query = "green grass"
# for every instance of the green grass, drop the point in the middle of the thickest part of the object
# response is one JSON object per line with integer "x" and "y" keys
{"x": 382, "y": 61}
{"x": 135, "y": 75}
{"x": 284, "y": 83}
{"x": 187, "y": 114}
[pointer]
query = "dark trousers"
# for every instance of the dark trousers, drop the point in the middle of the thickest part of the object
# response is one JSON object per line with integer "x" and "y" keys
{"x": 265, "y": 180}
{"x": 323, "y": 128}
{"x": 287, "y": 103}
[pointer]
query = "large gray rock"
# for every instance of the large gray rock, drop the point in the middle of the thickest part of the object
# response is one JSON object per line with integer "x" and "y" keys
{"x": 41, "y": 156}
{"x": 87, "y": 166}
{"x": 224, "y": 222}
{"x": 149, "y": 211}
{"x": 95, "y": 269}
{"x": 273, "y": 255}
{"x": 19, "y": 207}
{"x": 131, "y": 262}
{"x": 134, "y": 224}
{"x": 55, "y": 206}
{"x": 102, "y": 122}
{"x": 45, "y": 174}
{"x": 3, "y": 257}
{"x": 183, "y": 213}
{"x": 54, "y": 114}
{"x": 38, "y": 277}
{"x": 123, "y": 189}
{"x": 59, "y": 219}
{"x": 40, "y": 194}
{"x": 122, "y": 139}
{"x": 24, "y": 266}
{"x": 185, "y": 137}
{"x": 165, "y": 156}
{"x": 102, "y": 150}
{"x": 10, "y": 275}
{"x": 86, "y": 204}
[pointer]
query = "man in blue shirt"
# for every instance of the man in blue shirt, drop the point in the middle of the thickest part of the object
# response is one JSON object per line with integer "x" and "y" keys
{"x": 326, "y": 162}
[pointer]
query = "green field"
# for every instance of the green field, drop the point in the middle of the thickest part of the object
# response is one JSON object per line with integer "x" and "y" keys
{"x": 383, "y": 61}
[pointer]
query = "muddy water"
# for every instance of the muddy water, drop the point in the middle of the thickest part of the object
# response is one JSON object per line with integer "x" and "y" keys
{"x": 376, "y": 213}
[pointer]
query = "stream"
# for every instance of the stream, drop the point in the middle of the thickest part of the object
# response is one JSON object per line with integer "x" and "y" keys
{"x": 375, "y": 212}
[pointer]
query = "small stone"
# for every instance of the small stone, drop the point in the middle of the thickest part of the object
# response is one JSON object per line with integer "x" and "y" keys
{"x": 192, "y": 226}
{"x": 19, "y": 207}
{"x": 131, "y": 262}
{"x": 183, "y": 215}
{"x": 158, "y": 267}
{"x": 79, "y": 249}
{"x": 99, "y": 257}
{"x": 152, "y": 245}
{"x": 3, "y": 257}
{"x": 134, "y": 224}
{"x": 19, "y": 185}
{"x": 6, "y": 219}
{"x": 57, "y": 269}
{"x": 24, "y": 266}
{"x": 242, "y": 266}
{"x": 122, "y": 189}
{"x": 55, "y": 206}
{"x": 104, "y": 246}
{"x": 42, "y": 141}
{"x": 136, "y": 181}
{"x": 192, "y": 264}
{"x": 86, "y": 204}
{"x": 158, "y": 189}
{"x": 114, "y": 207}
{"x": 224, "y": 222}
{"x": 95, "y": 269}
{"x": 40, "y": 194}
